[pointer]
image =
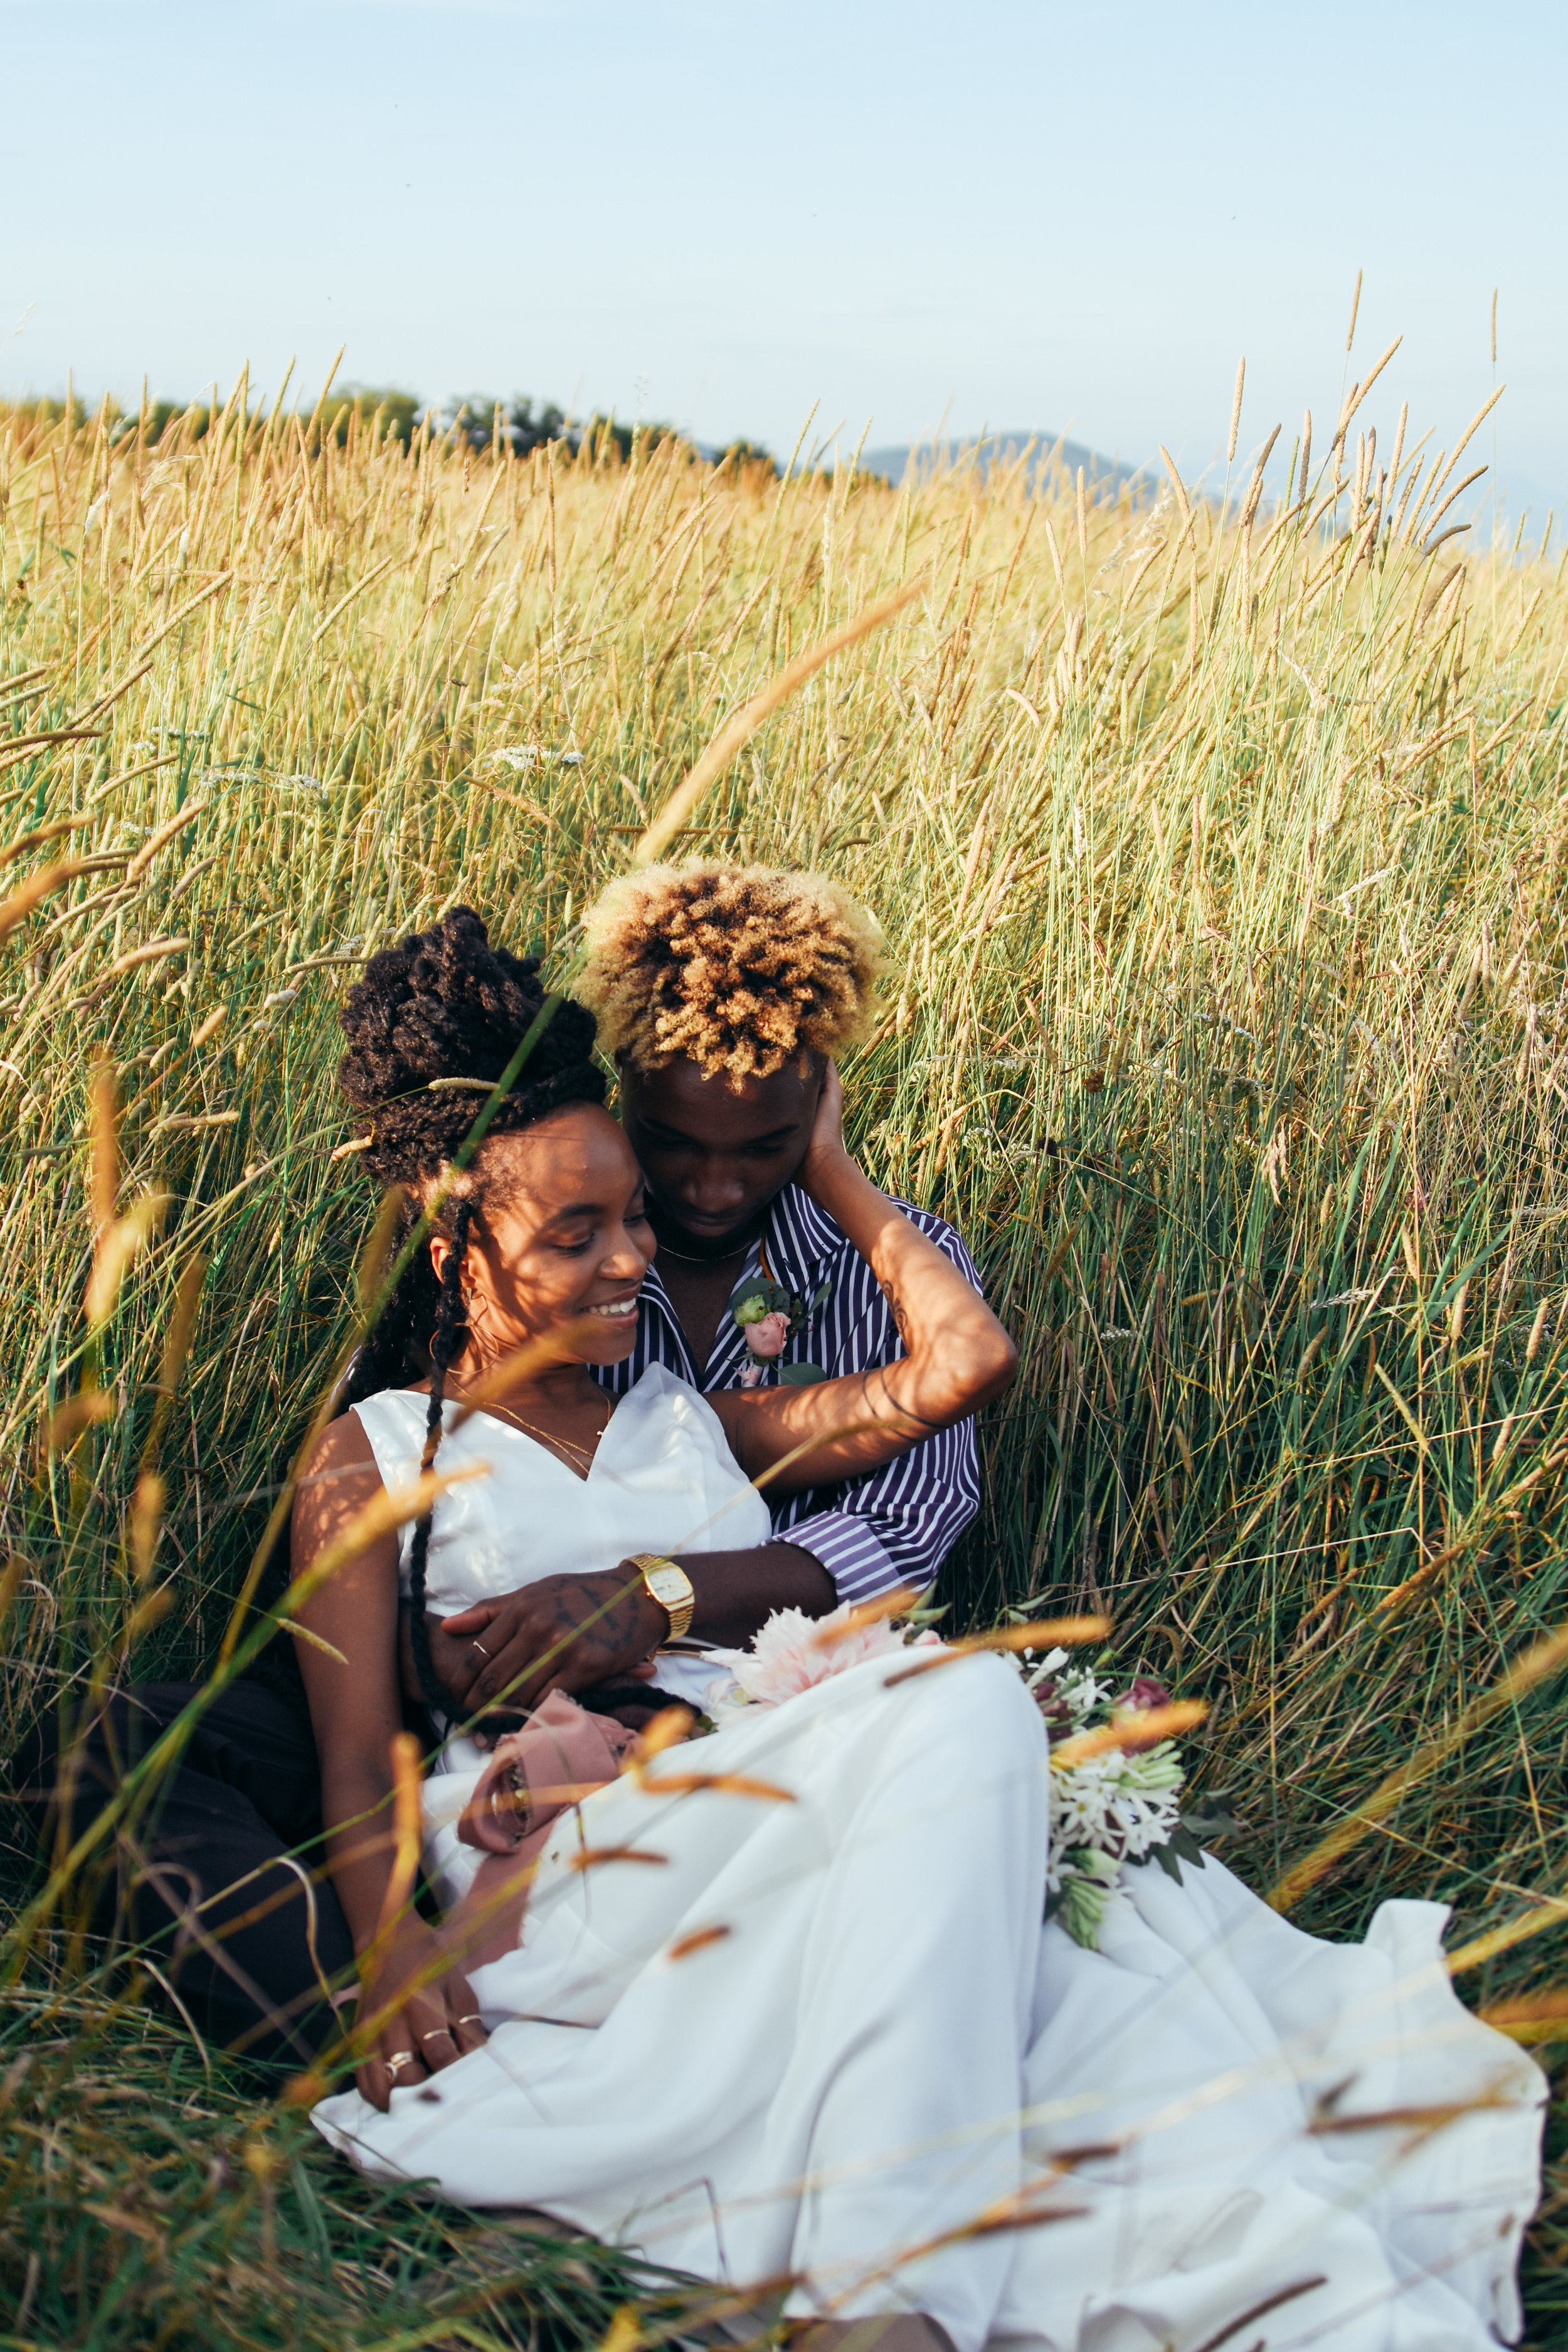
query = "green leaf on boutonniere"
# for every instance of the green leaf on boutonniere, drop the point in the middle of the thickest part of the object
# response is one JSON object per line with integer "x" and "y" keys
{"x": 800, "y": 1376}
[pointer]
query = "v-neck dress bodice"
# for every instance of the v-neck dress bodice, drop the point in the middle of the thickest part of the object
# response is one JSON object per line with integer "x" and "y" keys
{"x": 663, "y": 1479}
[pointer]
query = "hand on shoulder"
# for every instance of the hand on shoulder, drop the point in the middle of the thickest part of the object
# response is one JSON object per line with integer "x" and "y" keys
{"x": 828, "y": 1158}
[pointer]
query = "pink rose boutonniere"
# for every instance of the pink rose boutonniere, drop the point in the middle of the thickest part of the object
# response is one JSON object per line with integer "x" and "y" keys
{"x": 766, "y": 1337}
{"x": 769, "y": 1317}
{"x": 766, "y": 1341}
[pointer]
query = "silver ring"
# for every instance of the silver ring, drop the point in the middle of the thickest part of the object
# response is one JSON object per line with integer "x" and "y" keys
{"x": 399, "y": 2058}
{"x": 437, "y": 2033}
{"x": 476, "y": 1645}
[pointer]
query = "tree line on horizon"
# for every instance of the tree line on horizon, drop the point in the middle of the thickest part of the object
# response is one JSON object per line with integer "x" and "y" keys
{"x": 479, "y": 419}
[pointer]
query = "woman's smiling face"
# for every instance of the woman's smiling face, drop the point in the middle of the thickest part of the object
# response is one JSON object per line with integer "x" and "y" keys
{"x": 560, "y": 1235}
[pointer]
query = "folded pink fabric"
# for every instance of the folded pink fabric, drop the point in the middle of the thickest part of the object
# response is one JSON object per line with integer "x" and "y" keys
{"x": 533, "y": 1776}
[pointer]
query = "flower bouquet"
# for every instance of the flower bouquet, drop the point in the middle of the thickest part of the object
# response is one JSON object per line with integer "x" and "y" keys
{"x": 1116, "y": 1777}
{"x": 1115, "y": 1791}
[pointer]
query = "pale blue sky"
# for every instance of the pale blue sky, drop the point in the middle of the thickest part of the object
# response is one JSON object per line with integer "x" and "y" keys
{"x": 1025, "y": 215}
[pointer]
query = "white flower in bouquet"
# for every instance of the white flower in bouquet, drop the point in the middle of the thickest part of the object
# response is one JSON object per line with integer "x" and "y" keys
{"x": 1115, "y": 1791}
{"x": 793, "y": 1652}
{"x": 1124, "y": 1805}
{"x": 1115, "y": 1781}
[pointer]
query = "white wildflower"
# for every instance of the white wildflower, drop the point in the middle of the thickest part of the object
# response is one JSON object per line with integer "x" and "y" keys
{"x": 1080, "y": 1694}
{"x": 723, "y": 1699}
{"x": 1109, "y": 1810}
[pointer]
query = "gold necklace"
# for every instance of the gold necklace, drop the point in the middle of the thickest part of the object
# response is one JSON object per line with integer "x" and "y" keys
{"x": 561, "y": 1444}
{"x": 687, "y": 1259}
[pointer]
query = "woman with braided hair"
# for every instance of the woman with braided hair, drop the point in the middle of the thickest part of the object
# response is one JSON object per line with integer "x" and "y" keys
{"x": 432, "y": 1025}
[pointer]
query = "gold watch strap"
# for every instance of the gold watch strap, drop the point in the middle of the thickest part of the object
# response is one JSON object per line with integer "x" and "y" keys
{"x": 677, "y": 1600}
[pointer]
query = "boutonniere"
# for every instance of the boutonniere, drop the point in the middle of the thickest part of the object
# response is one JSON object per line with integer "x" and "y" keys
{"x": 769, "y": 1316}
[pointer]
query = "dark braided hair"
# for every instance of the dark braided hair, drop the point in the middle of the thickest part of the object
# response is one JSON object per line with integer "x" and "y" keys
{"x": 444, "y": 1346}
{"x": 445, "y": 1006}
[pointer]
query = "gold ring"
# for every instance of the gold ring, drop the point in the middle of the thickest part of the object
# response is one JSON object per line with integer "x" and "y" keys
{"x": 480, "y": 1646}
{"x": 474, "y": 2020}
{"x": 398, "y": 2058}
{"x": 435, "y": 2033}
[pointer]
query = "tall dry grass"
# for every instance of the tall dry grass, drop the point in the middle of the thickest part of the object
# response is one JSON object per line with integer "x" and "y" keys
{"x": 1221, "y": 847}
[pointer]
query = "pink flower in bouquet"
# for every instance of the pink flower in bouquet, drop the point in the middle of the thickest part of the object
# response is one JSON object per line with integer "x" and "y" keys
{"x": 1145, "y": 1693}
{"x": 766, "y": 1337}
{"x": 793, "y": 1652}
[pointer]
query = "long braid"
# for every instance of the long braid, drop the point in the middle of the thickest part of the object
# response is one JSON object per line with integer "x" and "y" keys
{"x": 443, "y": 1347}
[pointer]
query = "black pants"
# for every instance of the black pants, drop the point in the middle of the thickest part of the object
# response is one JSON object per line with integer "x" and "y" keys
{"x": 252, "y": 1942}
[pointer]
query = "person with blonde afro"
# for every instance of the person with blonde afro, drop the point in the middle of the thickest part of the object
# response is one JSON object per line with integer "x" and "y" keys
{"x": 723, "y": 996}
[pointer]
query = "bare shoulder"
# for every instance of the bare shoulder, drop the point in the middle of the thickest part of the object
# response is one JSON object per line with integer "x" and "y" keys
{"x": 342, "y": 1445}
{"x": 338, "y": 1479}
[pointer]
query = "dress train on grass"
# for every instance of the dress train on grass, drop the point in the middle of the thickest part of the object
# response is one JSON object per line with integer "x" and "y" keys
{"x": 817, "y": 2032}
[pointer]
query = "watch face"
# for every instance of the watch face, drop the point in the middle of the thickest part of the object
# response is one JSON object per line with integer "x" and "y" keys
{"x": 670, "y": 1586}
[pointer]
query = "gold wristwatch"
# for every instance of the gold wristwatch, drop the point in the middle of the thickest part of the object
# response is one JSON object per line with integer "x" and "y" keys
{"x": 671, "y": 1588}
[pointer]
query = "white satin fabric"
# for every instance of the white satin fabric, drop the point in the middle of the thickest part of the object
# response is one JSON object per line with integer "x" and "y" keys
{"x": 829, "y": 2038}
{"x": 663, "y": 1479}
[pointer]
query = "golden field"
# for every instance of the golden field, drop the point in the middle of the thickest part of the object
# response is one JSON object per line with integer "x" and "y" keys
{"x": 1219, "y": 843}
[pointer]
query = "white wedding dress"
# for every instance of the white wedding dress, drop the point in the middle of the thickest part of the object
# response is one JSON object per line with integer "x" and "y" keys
{"x": 826, "y": 2042}
{"x": 663, "y": 1480}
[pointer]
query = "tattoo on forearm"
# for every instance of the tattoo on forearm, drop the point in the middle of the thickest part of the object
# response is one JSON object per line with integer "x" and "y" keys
{"x": 570, "y": 1629}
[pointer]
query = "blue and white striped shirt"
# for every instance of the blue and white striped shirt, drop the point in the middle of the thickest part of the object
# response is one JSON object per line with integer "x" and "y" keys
{"x": 897, "y": 1525}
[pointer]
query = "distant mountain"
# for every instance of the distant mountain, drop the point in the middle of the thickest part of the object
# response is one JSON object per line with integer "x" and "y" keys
{"x": 986, "y": 450}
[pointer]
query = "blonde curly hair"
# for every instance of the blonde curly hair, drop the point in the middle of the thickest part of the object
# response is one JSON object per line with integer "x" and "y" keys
{"x": 740, "y": 969}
